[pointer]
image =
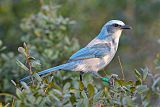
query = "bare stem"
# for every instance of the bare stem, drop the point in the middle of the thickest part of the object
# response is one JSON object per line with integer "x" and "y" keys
{"x": 29, "y": 63}
{"x": 13, "y": 102}
{"x": 122, "y": 70}
{"x": 7, "y": 94}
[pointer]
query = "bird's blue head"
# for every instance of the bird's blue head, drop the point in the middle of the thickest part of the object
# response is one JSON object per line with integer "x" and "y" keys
{"x": 114, "y": 28}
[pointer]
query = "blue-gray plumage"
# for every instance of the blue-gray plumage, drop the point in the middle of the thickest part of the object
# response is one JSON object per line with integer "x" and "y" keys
{"x": 97, "y": 54}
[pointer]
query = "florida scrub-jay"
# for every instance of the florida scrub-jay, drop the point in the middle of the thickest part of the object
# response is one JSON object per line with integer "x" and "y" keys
{"x": 97, "y": 54}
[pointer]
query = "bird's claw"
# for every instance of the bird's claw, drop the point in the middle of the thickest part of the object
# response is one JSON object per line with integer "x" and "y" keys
{"x": 114, "y": 76}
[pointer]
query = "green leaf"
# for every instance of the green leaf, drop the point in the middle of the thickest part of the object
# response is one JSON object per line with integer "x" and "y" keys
{"x": 73, "y": 90}
{"x": 141, "y": 89}
{"x": 90, "y": 89}
{"x": 81, "y": 85}
{"x": 145, "y": 103}
{"x": 55, "y": 97}
{"x": 36, "y": 64}
{"x": 3, "y": 48}
{"x": 98, "y": 95}
{"x": 20, "y": 64}
{"x": 145, "y": 73}
{"x": 57, "y": 92}
{"x": 132, "y": 89}
{"x": 25, "y": 46}
{"x": 31, "y": 99}
{"x": 56, "y": 86}
{"x": 1, "y": 43}
{"x": 84, "y": 95}
{"x": 22, "y": 51}
{"x": 129, "y": 83}
{"x": 79, "y": 103}
{"x": 127, "y": 101}
{"x": 38, "y": 100}
{"x": 66, "y": 95}
{"x": 18, "y": 92}
{"x": 138, "y": 82}
{"x": 121, "y": 82}
{"x": 25, "y": 85}
{"x": 13, "y": 83}
{"x": 31, "y": 58}
{"x": 66, "y": 86}
{"x": 37, "y": 77}
{"x": 138, "y": 74}
{"x": 156, "y": 84}
{"x": 86, "y": 102}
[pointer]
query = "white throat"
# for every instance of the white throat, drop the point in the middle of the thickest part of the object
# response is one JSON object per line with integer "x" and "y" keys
{"x": 117, "y": 35}
{"x": 115, "y": 39}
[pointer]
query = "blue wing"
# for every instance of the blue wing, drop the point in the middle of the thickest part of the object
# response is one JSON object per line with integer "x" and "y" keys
{"x": 95, "y": 51}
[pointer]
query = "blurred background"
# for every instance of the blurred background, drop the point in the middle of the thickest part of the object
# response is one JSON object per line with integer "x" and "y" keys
{"x": 55, "y": 29}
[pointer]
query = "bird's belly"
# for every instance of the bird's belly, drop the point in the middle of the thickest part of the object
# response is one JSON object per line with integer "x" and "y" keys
{"x": 88, "y": 65}
{"x": 94, "y": 64}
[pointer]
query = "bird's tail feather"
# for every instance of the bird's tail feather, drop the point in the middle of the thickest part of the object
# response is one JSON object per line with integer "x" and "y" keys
{"x": 46, "y": 71}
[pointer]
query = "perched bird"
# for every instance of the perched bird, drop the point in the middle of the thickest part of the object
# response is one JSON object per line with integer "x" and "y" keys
{"x": 96, "y": 55}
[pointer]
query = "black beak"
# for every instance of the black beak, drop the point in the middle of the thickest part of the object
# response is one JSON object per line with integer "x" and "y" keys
{"x": 126, "y": 27}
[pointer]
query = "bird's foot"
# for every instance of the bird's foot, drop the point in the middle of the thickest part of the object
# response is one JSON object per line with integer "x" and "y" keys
{"x": 81, "y": 75}
{"x": 111, "y": 80}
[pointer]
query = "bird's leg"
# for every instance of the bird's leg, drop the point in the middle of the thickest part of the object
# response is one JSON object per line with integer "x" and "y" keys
{"x": 85, "y": 89}
{"x": 105, "y": 79}
{"x": 96, "y": 74}
{"x": 81, "y": 74}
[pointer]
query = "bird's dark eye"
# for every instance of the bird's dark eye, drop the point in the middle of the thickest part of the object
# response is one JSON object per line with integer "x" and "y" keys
{"x": 115, "y": 25}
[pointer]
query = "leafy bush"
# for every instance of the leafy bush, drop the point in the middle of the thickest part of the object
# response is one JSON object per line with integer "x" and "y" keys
{"x": 47, "y": 35}
{"x": 66, "y": 90}
{"x": 8, "y": 69}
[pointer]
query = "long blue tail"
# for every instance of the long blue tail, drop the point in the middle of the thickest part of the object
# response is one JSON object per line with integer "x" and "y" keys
{"x": 46, "y": 71}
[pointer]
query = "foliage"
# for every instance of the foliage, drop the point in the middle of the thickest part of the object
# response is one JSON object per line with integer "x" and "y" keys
{"x": 48, "y": 36}
{"x": 67, "y": 91}
{"x": 8, "y": 69}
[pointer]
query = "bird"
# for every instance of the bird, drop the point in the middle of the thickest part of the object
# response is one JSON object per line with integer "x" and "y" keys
{"x": 95, "y": 55}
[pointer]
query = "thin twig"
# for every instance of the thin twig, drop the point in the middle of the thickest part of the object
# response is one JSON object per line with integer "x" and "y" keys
{"x": 7, "y": 105}
{"x": 30, "y": 68}
{"x": 122, "y": 70}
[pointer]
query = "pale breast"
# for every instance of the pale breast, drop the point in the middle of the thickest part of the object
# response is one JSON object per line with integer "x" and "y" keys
{"x": 108, "y": 58}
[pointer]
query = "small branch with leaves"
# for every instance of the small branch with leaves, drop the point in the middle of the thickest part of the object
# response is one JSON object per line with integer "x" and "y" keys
{"x": 25, "y": 51}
